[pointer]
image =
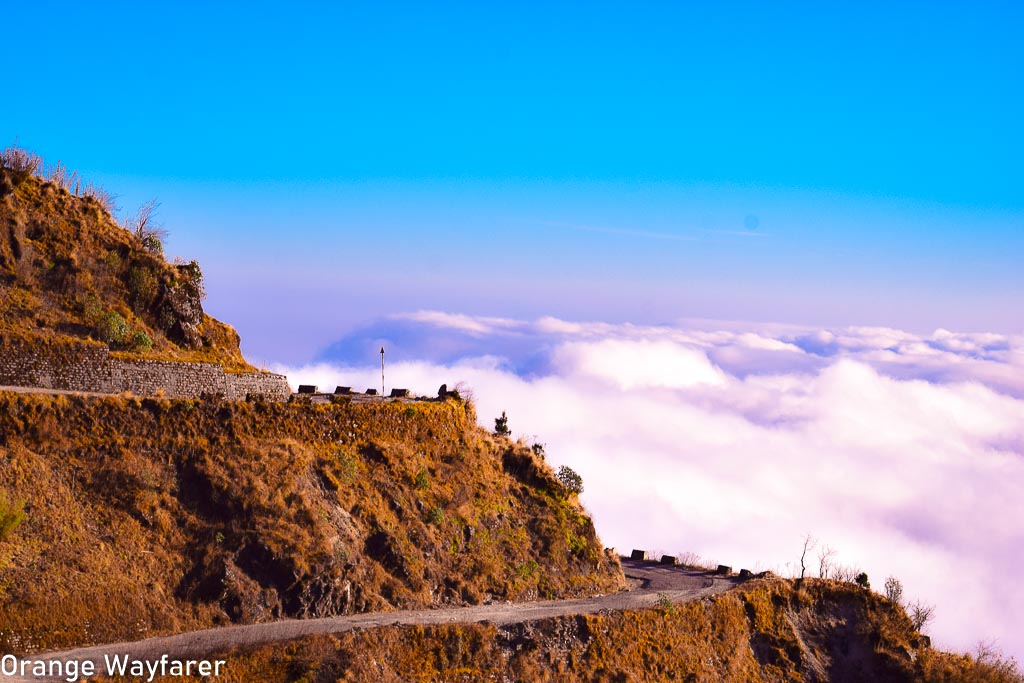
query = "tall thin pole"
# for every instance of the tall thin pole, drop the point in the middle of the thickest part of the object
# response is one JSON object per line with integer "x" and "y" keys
{"x": 382, "y": 371}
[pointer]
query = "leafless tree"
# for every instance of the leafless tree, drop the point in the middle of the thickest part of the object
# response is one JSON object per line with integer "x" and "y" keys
{"x": 809, "y": 543}
{"x": 920, "y": 614}
{"x": 145, "y": 227}
{"x": 826, "y": 560}
{"x": 894, "y": 590}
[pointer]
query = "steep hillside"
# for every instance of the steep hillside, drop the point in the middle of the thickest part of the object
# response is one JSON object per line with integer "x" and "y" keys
{"x": 159, "y": 516}
{"x": 767, "y": 632}
{"x": 68, "y": 270}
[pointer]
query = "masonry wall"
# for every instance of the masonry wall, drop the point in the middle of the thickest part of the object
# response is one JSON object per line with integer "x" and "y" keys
{"x": 89, "y": 367}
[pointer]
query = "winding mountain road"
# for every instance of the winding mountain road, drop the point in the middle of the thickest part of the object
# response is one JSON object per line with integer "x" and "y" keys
{"x": 649, "y": 582}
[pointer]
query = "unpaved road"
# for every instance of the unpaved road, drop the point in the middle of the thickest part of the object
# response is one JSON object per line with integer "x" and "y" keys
{"x": 649, "y": 582}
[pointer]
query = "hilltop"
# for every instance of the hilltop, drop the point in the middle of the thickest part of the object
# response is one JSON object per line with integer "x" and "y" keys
{"x": 69, "y": 273}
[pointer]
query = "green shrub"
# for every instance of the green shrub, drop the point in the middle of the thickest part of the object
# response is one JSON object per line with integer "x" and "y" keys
{"x": 12, "y": 513}
{"x": 572, "y": 481}
{"x": 142, "y": 285}
{"x": 422, "y": 481}
{"x": 501, "y": 425}
{"x": 113, "y": 328}
{"x": 140, "y": 341}
{"x": 153, "y": 245}
{"x": 348, "y": 468}
{"x": 435, "y": 516}
{"x": 665, "y": 604}
{"x": 113, "y": 261}
{"x": 862, "y": 580}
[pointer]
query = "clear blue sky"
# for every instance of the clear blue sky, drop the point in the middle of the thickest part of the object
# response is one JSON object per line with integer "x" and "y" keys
{"x": 328, "y": 164}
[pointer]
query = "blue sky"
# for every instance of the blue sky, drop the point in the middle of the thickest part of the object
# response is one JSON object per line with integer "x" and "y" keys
{"x": 855, "y": 164}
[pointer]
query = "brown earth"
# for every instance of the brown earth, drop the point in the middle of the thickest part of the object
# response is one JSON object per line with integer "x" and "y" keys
{"x": 146, "y": 517}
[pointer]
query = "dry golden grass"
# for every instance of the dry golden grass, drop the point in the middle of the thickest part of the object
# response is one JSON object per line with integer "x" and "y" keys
{"x": 67, "y": 268}
{"x": 147, "y": 516}
{"x": 767, "y": 632}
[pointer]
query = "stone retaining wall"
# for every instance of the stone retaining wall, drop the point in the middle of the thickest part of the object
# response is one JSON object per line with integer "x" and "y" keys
{"x": 89, "y": 367}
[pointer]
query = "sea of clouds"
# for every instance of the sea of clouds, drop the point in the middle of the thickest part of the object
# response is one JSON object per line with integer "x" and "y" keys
{"x": 903, "y": 452}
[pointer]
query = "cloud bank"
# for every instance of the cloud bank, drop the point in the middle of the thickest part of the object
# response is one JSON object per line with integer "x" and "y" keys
{"x": 903, "y": 452}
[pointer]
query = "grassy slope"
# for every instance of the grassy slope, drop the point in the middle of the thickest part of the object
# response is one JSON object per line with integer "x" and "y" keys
{"x": 159, "y": 516}
{"x": 65, "y": 264}
{"x": 766, "y": 632}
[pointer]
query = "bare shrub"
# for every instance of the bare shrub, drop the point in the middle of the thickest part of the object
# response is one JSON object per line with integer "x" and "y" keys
{"x": 826, "y": 561}
{"x": 464, "y": 391}
{"x": 144, "y": 226}
{"x": 692, "y": 559}
{"x": 920, "y": 614}
{"x": 100, "y": 196}
{"x": 61, "y": 176}
{"x": 894, "y": 590}
{"x": 994, "y": 666}
{"x": 22, "y": 162}
{"x": 846, "y": 573}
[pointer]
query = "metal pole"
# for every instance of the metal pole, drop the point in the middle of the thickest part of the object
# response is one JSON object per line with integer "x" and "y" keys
{"x": 382, "y": 371}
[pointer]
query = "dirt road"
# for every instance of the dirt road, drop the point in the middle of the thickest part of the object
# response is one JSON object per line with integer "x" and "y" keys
{"x": 649, "y": 583}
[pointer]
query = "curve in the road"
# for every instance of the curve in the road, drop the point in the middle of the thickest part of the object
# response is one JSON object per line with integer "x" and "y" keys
{"x": 650, "y": 583}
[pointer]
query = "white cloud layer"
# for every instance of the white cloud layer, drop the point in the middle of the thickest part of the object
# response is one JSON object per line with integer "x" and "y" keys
{"x": 903, "y": 452}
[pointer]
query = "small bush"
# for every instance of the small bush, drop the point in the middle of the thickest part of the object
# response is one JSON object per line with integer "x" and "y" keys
{"x": 113, "y": 328}
{"x": 143, "y": 286}
{"x": 665, "y": 604}
{"x": 862, "y": 580}
{"x": 538, "y": 450}
{"x": 348, "y": 468}
{"x": 501, "y": 425}
{"x": 143, "y": 224}
{"x": 153, "y": 245}
{"x": 920, "y": 614}
{"x": 192, "y": 279}
{"x": 568, "y": 478}
{"x": 140, "y": 341}
{"x": 12, "y": 513}
{"x": 435, "y": 516}
{"x": 421, "y": 482}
